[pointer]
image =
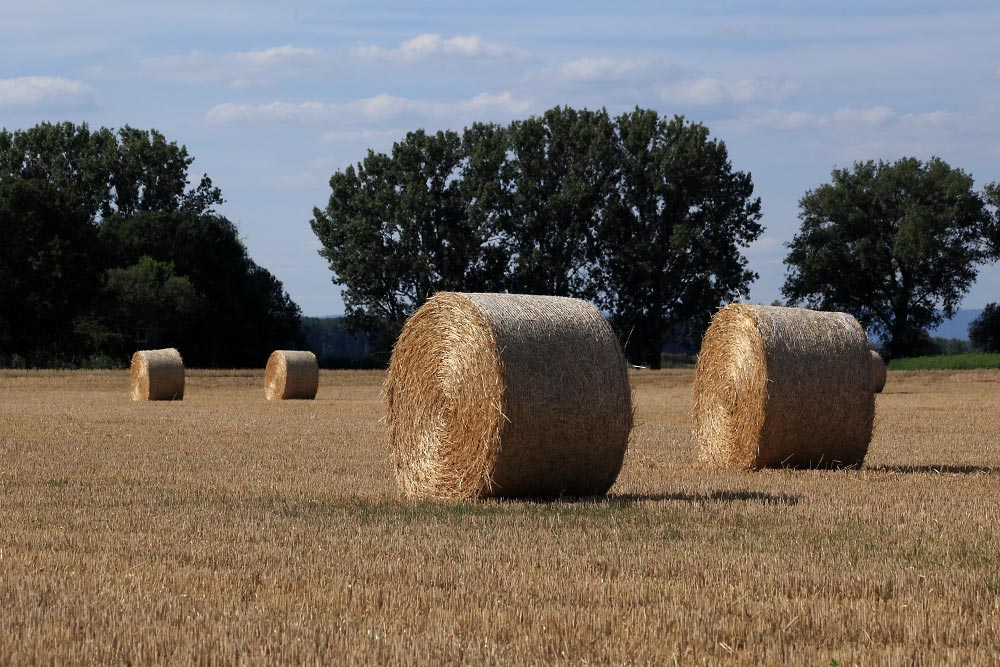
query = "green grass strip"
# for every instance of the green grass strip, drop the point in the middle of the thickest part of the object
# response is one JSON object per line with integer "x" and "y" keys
{"x": 947, "y": 362}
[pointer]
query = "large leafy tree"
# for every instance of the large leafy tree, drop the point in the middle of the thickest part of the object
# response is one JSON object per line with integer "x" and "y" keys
{"x": 106, "y": 172}
{"x": 395, "y": 230}
{"x": 562, "y": 166}
{"x": 48, "y": 270}
{"x": 984, "y": 331}
{"x": 642, "y": 215}
{"x": 106, "y": 246}
{"x": 236, "y": 313}
{"x": 897, "y": 245}
{"x": 672, "y": 233}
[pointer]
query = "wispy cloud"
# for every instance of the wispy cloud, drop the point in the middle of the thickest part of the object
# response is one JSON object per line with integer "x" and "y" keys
{"x": 378, "y": 108}
{"x": 366, "y": 136}
{"x": 239, "y": 69}
{"x": 708, "y": 91}
{"x": 431, "y": 45}
{"x": 606, "y": 69}
{"x": 28, "y": 92}
{"x": 874, "y": 116}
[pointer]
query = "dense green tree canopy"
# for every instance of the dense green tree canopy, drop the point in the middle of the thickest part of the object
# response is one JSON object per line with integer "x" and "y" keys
{"x": 106, "y": 248}
{"x": 673, "y": 231}
{"x": 642, "y": 215}
{"x": 984, "y": 331}
{"x": 895, "y": 244}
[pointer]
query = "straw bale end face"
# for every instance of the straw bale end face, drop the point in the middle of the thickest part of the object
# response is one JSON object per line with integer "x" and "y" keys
{"x": 783, "y": 387}
{"x": 506, "y": 395}
{"x": 291, "y": 374}
{"x": 157, "y": 375}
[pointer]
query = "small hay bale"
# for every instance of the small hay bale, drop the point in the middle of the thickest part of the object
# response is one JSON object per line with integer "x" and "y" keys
{"x": 783, "y": 387}
{"x": 505, "y": 395}
{"x": 291, "y": 374}
{"x": 157, "y": 375}
{"x": 878, "y": 372}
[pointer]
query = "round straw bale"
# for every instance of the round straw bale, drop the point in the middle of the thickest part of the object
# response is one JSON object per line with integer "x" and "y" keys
{"x": 878, "y": 372}
{"x": 157, "y": 375}
{"x": 507, "y": 395}
{"x": 783, "y": 387}
{"x": 291, "y": 374}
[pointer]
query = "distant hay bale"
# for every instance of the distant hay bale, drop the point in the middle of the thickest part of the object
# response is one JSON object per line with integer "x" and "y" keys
{"x": 291, "y": 374}
{"x": 783, "y": 387}
{"x": 507, "y": 395}
{"x": 157, "y": 375}
{"x": 878, "y": 372}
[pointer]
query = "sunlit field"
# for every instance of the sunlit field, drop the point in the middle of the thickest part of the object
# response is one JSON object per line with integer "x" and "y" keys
{"x": 225, "y": 529}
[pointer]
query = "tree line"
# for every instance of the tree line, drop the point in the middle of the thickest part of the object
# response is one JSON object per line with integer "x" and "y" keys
{"x": 645, "y": 217}
{"x": 642, "y": 215}
{"x": 107, "y": 247}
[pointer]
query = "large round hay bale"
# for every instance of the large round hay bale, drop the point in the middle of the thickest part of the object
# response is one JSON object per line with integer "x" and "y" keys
{"x": 157, "y": 375}
{"x": 783, "y": 387}
{"x": 291, "y": 374}
{"x": 878, "y": 372}
{"x": 507, "y": 395}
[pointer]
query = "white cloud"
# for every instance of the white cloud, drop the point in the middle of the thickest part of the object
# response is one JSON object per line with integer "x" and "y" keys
{"x": 875, "y": 116}
{"x": 430, "y": 45}
{"x": 608, "y": 70}
{"x": 378, "y": 108}
{"x": 49, "y": 91}
{"x": 707, "y": 91}
{"x": 603, "y": 68}
{"x": 365, "y": 136}
{"x": 239, "y": 69}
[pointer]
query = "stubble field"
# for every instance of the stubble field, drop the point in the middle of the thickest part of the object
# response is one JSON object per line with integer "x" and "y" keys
{"x": 225, "y": 529}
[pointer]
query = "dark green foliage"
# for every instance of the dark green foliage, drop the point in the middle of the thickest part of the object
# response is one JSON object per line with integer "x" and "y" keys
{"x": 984, "y": 332}
{"x": 245, "y": 313}
{"x": 146, "y": 304}
{"x": 395, "y": 231}
{"x": 896, "y": 245}
{"x": 940, "y": 345}
{"x": 48, "y": 271}
{"x": 336, "y": 346}
{"x": 642, "y": 215}
{"x": 672, "y": 234}
{"x": 106, "y": 249}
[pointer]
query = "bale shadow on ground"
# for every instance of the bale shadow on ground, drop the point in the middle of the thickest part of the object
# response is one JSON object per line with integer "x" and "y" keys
{"x": 713, "y": 497}
{"x": 937, "y": 469}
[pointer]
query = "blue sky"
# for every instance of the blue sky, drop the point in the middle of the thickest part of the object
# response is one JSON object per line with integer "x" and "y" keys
{"x": 271, "y": 100}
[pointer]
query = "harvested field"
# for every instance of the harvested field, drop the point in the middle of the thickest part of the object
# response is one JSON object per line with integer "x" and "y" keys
{"x": 229, "y": 529}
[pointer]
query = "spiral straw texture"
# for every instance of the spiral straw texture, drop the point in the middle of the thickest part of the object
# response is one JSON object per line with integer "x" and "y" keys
{"x": 157, "y": 375}
{"x": 783, "y": 387}
{"x": 507, "y": 395}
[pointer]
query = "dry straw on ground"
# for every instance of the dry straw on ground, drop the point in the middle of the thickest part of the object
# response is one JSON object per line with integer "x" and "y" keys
{"x": 783, "y": 387}
{"x": 878, "y": 372}
{"x": 157, "y": 375}
{"x": 291, "y": 374}
{"x": 507, "y": 395}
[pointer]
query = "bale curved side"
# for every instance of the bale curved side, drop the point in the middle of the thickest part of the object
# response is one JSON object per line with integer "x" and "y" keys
{"x": 878, "y": 372}
{"x": 783, "y": 387}
{"x": 291, "y": 374}
{"x": 157, "y": 375}
{"x": 507, "y": 395}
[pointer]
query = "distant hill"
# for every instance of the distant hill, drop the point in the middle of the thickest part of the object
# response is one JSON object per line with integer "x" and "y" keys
{"x": 958, "y": 326}
{"x": 334, "y": 345}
